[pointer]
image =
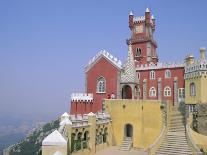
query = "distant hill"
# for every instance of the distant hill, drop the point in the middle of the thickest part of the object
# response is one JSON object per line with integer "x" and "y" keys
{"x": 6, "y": 140}
{"x": 31, "y": 145}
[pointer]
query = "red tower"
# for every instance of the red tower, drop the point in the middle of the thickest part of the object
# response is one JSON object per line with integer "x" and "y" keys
{"x": 143, "y": 44}
{"x": 142, "y": 77}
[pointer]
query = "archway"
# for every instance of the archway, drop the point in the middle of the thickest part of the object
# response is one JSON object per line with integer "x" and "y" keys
{"x": 126, "y": 92}
{"x": 128, "y": 130}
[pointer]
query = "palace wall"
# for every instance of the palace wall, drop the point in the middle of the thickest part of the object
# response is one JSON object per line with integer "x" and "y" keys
{"x": 145, "y": 116}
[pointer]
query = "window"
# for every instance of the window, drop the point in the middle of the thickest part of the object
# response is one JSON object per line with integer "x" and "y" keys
{"x": 139, "y": 29}
{"x": 138, "y": 52}
{"x": 191, "y": 108}
{"x": 192, "y": 89}
{"x": 167, "y": 91}
{"x": 152, "y": 92}
{"x": 181, "y": 93}
{"x": 167, "y": 74}
{"x": 101, "y": 85}
{"x": 152, "y": 74}
{"x": 138, "y": 75}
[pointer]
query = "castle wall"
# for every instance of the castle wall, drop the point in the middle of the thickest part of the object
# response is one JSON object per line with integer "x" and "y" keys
{"x": 200, "y": 82}
{"x": 145, "y": 117}
{"x": 193, "y": 99}
{"x": 81, "y": 107}
{"x": 204, "y": 89}
{"x": 160, "y": 75}
{"x": 102, "y": 68}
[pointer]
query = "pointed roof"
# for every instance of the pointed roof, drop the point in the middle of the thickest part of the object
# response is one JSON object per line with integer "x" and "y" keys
{"x": 57, "y": 153}
{"x": 65, "y": 115}
{"x": 65, "y": 121}
{"x": 152, "y": 17}
{"x": 131, "y": 13}
{"x": 129, "y": 73}
{"x": 103, "y": 53}
{"x": 55, "y": 138}
{"x": 147, "y": 10}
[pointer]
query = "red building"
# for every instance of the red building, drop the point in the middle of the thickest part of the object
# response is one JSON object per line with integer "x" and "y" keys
{"x": 141, "y": 77}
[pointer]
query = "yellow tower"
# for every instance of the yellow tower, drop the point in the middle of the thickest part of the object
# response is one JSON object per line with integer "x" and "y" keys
{"x": 196, "y": 80}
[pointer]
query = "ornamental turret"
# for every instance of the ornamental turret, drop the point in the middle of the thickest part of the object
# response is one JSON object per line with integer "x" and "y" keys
{"x": 142, "y": 40}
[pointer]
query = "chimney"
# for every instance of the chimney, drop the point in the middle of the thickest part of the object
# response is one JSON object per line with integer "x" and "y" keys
{"x": 202, "y": 53}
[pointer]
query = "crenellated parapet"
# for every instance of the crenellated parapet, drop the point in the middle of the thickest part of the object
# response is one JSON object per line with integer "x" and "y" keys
{"x": 82, "y": 120}
{"x": 147, "y": 18}
{"x": 103, "y": 53}
{"x": 81, "y": 97}
{"x": 159, "y": 65}
{"x": 196, "y": 68}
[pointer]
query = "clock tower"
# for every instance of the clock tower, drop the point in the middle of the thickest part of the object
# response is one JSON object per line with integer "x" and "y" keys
{"x": 142, "y": 40}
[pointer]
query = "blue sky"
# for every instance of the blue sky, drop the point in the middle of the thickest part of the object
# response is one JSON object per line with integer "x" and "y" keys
{"x": 45, "y": 44}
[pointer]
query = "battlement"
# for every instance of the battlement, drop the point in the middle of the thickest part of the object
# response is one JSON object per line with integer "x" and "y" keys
{"x": 148, "y": 18}
{"x": 159, "y": 65}
{"x": 195, "y": 70}
{"x": 139, "y": 19}
{"x": 116, "y": 62}
{"x": 82, "y": 120}
{"x": 82, "y": 97}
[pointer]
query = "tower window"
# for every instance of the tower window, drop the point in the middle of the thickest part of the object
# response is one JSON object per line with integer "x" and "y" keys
{"x": 167, "y": 74}
{"x": 192, "y": 89}
{"x": 152, "y": 92}
{"x": 138, "y": 52}
{"x": 152, "y": 74}
{"x": 167, "y": 91}
{"x": 101, "y": 85}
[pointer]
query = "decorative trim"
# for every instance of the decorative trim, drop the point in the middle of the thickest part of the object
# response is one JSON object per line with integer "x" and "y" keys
{"x": 103, "y": 53}
{"x": 153, "y": 66}
{"x": 81, "y": 97}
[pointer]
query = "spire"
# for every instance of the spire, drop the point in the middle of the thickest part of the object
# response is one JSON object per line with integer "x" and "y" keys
{"x": 152, "y": 17}
{"x": 129, "y": 73}
{"x": 130, "y": 58}
{"x": 147, "y": 10}
{"x": 131, "y": 13}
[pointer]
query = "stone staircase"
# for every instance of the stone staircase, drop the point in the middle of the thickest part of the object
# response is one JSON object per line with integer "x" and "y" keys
{"x": 175, "y": 141}
{"x": 126, "y": 144}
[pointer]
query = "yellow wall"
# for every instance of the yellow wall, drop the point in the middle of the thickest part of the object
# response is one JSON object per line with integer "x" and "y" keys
{"x": 145, "y": 116}
{"x": 201, "y": 89}
{"x": 100, "y": 147}
{"x": 192, "y": 99}
{"x": 50, "y": 150}
{"x": 204, "y": 89}
{"x": 199, "y": 139}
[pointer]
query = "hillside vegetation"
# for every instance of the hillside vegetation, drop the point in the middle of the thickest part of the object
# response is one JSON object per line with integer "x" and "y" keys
{"x": 31, "y": 145}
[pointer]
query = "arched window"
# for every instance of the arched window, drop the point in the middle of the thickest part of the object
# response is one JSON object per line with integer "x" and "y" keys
{"x": 138, "y": 52}
{"x": 167, "y": 91}
{"x": 138, "y": 75}
{"x": 101, "y": 85}
{"x": 152, "y": 92}
{"x": 167, "y": 74}
{"x": 152, "y": 74}
{"x": 192, "y": 89}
